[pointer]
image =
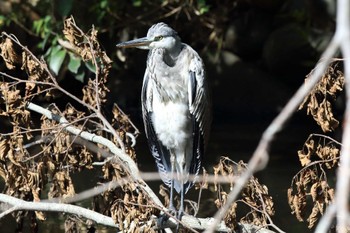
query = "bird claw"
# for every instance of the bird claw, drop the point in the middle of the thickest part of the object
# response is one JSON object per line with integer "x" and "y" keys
{"x": 164, "y": 217}
{"x": 179, "y": 215}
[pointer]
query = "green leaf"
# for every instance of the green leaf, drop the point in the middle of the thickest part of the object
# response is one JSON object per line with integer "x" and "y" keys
{"x": 74, "y": 63}
{"x": 137, "y": 3}
{"x": 80, "y": 77}
{"x": 56, "y": 58}
{"x": 42, "y": 27}
{"x": 90, "y": 66}
{"x": 104, "y": 4}
{"x": 2, "y": 20}
{"x": 203, "y": 7}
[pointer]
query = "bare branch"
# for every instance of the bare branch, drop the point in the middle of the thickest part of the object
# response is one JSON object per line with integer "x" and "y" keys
{"x": 130, "y": 164}
{"x": 19, "y": 204}
{"x": 195, "y": 223}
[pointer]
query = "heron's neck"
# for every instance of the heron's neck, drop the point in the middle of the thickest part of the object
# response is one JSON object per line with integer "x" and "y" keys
{"x": 171, "y": 55}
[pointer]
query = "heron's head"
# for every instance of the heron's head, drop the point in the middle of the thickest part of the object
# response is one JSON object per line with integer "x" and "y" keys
{"x": 160, "y": 35}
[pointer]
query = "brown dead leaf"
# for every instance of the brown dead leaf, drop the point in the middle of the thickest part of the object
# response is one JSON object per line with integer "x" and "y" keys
{"x": 328, "y": 152}
{"x": 8, "y": 53}
{"x": 313, "y": 191}
{"x": 298, "y": 207}
{"x": 163, "y": 191}
{"x": 290, "y": 197}
{"x": 254, "y": 195}
{"x": 4, "y": 148}
{"x": 310, "y": 187}
{"x": 330, "y": 193}
{"x": 313, "y": 217}
{"x": 306, "y": 152}
{"x": 203, "y": 184}
{"x": 318, "y": 102}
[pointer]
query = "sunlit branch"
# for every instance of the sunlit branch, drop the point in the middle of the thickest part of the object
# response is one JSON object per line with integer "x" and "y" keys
{"x": 18, "y": 204}
{"x": 127, "y": 161}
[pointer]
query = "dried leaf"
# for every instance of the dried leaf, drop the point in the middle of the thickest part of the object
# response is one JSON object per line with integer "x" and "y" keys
{"x": 313, "y": 191}
{"x": 4, "y": 148}
{"x": 298, "y": 206}
{"x": 313, "y": 217}
{"x": 305, "y": 154}
{"x": 8, "y": 53}
{"x": 317, "y": 102}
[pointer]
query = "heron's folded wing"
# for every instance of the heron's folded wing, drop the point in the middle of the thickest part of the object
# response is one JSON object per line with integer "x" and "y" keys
{"x": 159, "y": 152}
{"x": 200, "y": 109}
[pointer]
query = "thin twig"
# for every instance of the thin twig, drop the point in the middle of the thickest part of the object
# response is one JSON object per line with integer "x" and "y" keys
{"x": 326, "y": 137}
{"x": 131, "y": 166}
{"x": 59, "y": 88}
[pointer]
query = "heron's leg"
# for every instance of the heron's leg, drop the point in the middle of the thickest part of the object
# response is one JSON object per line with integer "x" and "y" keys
{"x": 180, "y": 213}
{"x": 172, "y": 161}
{"x": 172, "y": 208}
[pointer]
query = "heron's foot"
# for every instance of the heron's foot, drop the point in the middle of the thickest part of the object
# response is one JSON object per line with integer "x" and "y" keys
{"x": 164, "y": 217}
{"x": 172, "y": 210}
{"x": 179, "y": 214}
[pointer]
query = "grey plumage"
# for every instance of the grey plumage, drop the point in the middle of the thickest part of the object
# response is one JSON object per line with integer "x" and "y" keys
{"x": 175, "y": 106}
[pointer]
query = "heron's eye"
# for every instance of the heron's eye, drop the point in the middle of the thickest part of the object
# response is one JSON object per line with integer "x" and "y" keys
{"x": 158, "y": 38}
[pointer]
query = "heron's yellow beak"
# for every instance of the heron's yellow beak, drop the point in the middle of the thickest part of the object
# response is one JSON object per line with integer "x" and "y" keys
{"x": 141, "y": 43}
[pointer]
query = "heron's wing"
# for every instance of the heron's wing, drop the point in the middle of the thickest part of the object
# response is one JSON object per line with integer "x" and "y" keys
{"x": 200, "y": 109}
{"x": 159, "y": 152}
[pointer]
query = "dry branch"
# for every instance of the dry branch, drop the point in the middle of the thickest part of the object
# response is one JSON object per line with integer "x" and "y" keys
{"x": 195, "y": 223}
{"x": 130, "y": 164}
{"x": 19, "y": 204}
{"x": 190, "y": 221}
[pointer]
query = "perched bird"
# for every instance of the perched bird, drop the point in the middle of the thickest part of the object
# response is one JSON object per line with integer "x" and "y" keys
{"x": 175, "y": 106}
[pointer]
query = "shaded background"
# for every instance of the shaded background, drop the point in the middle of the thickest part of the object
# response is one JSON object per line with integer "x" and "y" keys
{"x": 257, "y": 54}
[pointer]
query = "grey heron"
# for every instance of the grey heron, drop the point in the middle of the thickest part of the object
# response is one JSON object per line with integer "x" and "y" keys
{"x": 175, "y": 106}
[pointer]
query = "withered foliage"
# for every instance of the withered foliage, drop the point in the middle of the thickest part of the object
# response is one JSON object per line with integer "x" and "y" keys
{"x": 88, "y": 48}
{"x": 10, "y": 56}
{"x": 311, "y": 192}
{"x": 37, "y": 80}
{"x": 255, "y": 196}
{"x": 128, "y": 205}
{"x": 38, "y": 157}
{"x": 319, "y": 102}
{"x": 319, "y": 147}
